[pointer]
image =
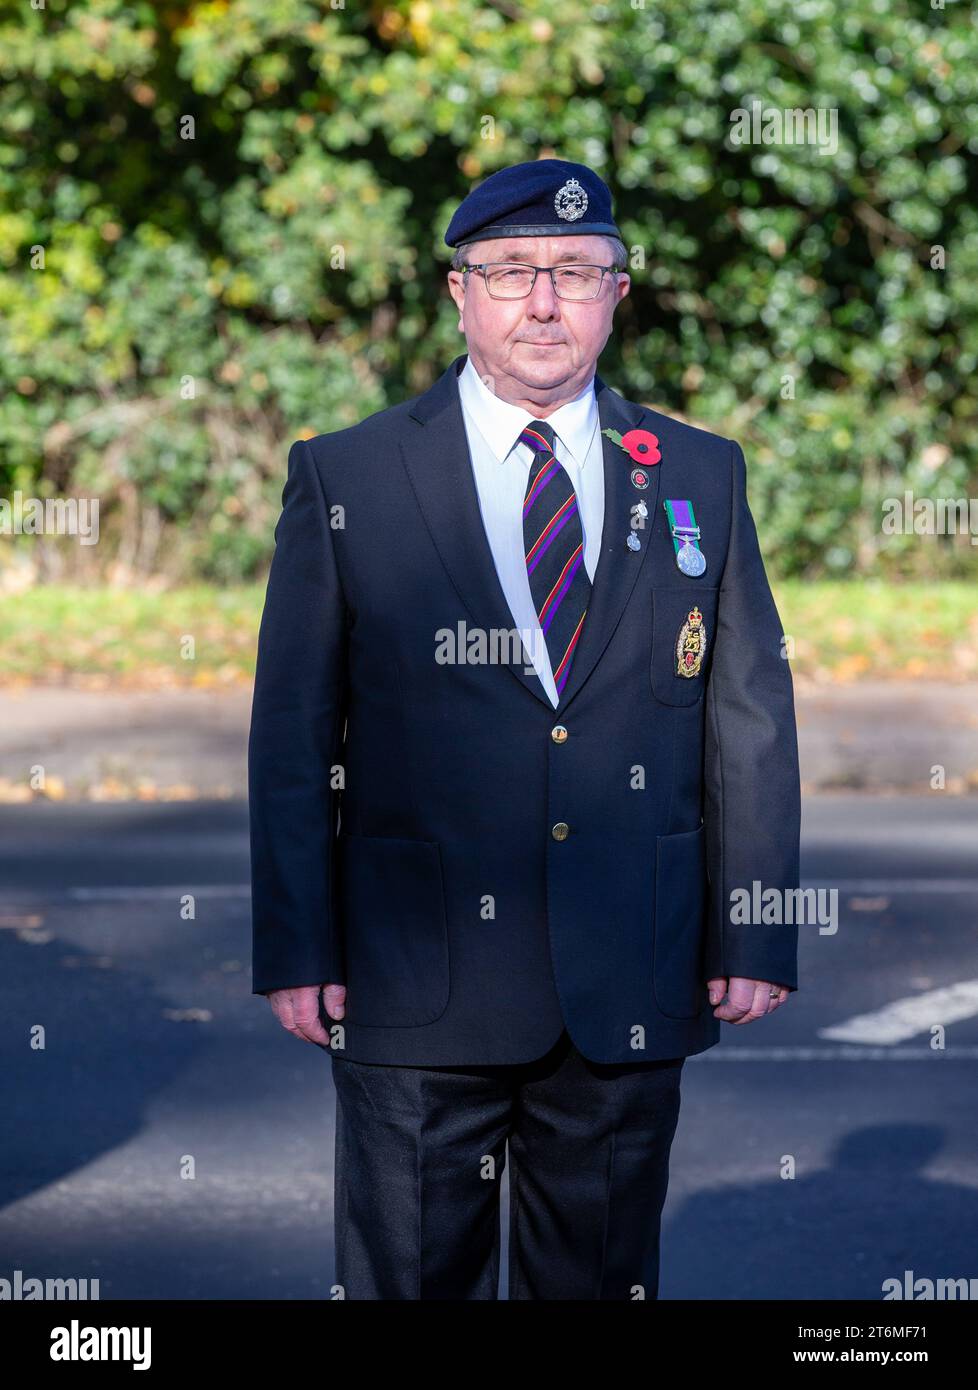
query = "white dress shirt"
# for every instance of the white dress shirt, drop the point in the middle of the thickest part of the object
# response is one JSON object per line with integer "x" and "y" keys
{"x": 501, "y": 467}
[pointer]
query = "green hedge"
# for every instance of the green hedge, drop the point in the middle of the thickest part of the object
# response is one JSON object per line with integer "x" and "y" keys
{"x": 205, "y": 301}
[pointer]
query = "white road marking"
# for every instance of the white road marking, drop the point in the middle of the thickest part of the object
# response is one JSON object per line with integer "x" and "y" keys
{"x": 167, "y": 892}
{"x": 738, "y": 1053}
{"x": 905, "y": 1018}
{"x": 870, "y": 886}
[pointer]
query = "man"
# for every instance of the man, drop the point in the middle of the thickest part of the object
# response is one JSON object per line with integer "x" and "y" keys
{"x": 520, "y": 927}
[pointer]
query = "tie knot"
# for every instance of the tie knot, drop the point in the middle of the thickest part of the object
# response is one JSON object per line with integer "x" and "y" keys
{"x": 539, "y": 436}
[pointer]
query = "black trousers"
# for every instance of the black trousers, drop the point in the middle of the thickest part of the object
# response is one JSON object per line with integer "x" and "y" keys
{"x": 420, "y": 1154}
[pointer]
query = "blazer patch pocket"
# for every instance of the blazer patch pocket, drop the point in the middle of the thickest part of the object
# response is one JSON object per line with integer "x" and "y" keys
{"x": 683, "y": 633}
{"x": 680, "y": 924}
{"x": 395, "y": 930}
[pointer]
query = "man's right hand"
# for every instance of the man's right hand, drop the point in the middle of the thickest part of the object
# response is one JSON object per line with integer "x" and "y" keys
{"x": 298, "y": 1009}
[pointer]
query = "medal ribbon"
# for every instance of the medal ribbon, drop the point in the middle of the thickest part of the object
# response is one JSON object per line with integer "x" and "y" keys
{"x": 679, "y": 510}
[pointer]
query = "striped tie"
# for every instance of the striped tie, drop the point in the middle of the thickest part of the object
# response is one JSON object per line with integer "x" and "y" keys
{"x": 553, "y": 543}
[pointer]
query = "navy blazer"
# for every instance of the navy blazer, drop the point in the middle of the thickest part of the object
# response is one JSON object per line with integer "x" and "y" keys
{"x": 403, "y": 805}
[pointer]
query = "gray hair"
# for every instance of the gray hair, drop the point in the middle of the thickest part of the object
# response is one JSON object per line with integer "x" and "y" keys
{"x": 616, "y": 250}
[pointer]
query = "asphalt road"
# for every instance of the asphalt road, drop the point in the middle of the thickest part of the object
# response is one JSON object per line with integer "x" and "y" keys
{"x": 159, "y": 1063}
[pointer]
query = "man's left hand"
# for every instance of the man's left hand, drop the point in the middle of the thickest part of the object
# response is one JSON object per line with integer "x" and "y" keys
{"x": 746, "y": 999}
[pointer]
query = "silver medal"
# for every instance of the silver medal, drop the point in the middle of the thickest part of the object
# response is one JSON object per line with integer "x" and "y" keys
{"x": 633, "y": 542}
{"x": 690, "y": 559}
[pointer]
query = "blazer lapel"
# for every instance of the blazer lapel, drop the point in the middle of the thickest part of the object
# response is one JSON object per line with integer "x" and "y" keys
{"x": 436, "y": 458}
{"x": 618, "y": 566}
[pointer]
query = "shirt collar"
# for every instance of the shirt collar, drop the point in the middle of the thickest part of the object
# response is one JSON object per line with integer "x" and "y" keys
{"x": 501, "y": 423}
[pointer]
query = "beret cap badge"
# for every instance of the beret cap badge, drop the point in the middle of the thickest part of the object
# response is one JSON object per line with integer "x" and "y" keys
{"x": 570, "y": 201}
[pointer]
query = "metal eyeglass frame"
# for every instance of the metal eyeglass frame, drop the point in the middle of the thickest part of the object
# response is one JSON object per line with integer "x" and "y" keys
{"x": 562, "y": 265}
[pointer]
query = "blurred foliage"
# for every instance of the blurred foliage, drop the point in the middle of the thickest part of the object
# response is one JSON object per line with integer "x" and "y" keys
{"x": 176, "y": 310}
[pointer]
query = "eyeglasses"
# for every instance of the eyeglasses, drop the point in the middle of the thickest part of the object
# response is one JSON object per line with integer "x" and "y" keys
{"x": 513, "y": 280}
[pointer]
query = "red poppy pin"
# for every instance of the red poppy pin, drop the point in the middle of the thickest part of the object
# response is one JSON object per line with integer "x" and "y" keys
{"x": 641, "y": 445}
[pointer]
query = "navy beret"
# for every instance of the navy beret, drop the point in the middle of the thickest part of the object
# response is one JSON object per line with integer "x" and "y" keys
{"x": 544, "y": 197}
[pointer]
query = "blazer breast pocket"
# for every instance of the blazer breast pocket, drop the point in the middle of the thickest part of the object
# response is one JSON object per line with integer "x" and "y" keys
{"x": 683, "y": 633}
{"x": 395, "y": 930}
